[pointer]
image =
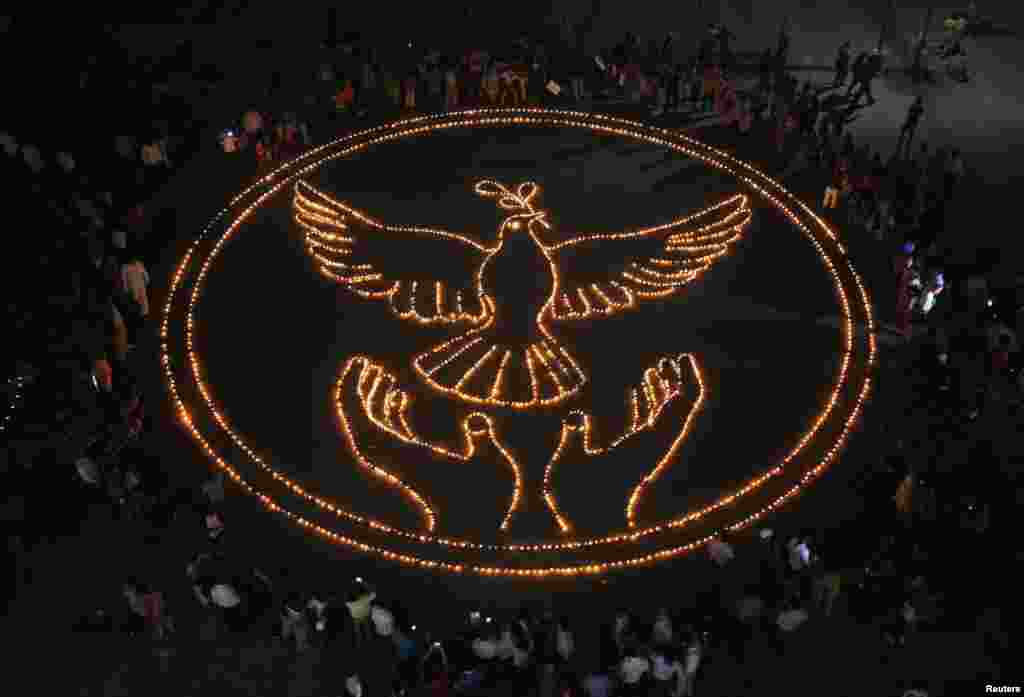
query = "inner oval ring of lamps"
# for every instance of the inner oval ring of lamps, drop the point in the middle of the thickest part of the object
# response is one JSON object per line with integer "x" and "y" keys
{"x": 767, "y": 188}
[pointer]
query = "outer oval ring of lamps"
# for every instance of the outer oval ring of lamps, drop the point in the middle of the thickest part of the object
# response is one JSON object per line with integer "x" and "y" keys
{"x": 637, "y": 547}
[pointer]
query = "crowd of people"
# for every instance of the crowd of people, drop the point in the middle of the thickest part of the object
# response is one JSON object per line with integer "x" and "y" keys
{"x": 96, "y": 309}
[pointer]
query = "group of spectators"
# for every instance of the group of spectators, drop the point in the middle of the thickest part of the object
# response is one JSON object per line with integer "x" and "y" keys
{"x": 81, "y": 305}
{"x": 371, "y": 647}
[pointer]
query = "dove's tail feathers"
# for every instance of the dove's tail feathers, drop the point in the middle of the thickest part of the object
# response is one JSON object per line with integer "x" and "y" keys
{"x": 476, "y": 369}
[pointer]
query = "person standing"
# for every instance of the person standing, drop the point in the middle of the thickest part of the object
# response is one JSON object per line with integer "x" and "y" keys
{"x": 904, "y": 292}
{"x": 811, "y": 114}
{"x": 842, "y": 65}
{"x": 134, "y": 281}
{"x": 858, "y": 73}
{"x": 672, "y": 87}
{"x": 764, "y": 72}
{"x": 909, "y": 127}
{"x": 660, "y": 95}
{"x": 835, "y": 187}
{"x": 746, "y": 116}
{"x": 711, "y": 86}
{"x": 954, "y": 173}
{"x": 874, "y": 70}
{"x": 782, "y": 48}
{"x": 870, "y": 68}
{"x": 725, "y": 55}
{"x": 451, "y": 88}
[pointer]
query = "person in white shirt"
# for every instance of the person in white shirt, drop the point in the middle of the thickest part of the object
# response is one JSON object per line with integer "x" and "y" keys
{"x": 661, "y": 632}
{"x": 486, "y": 649}
{"x": 691, "y": 664}
{"x": 135, "y": 279}
{"x": 295, "y": 623}
{"x": 634, "y": 672}
{"x": 791, "y": 617}
{"x": 510, "y": 649}
{"x": 317, "y": 609}
{"x": 931, "y": 293}
{"x": 565, "y": 643}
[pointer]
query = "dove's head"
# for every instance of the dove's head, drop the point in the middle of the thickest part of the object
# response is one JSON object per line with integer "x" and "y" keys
{"x": 524, "y": 218}
{"x": 524, "y": 224}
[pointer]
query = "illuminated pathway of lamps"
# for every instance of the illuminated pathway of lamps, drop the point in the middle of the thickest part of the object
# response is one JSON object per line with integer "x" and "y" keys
{"x": 825, "y": 241}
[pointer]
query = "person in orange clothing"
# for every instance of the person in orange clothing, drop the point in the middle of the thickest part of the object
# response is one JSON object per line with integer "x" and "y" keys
{"x": 409, "y": 88}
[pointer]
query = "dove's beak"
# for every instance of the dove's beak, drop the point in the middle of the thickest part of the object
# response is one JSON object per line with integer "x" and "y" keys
{"x": 541, "y": 217}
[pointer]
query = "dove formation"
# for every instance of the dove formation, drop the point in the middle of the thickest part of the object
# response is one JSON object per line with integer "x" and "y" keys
{"x": 508, "y": 293}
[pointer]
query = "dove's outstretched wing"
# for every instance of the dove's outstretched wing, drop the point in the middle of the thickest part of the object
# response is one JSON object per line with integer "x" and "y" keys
{"x": 427, "y": 275}
{"x": 602, "y": 274}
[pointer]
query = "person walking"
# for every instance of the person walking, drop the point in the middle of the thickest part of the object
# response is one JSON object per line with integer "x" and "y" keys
{"x": 954, "y": 173}
{"x": 857, "y": 69}
{"x": 810, "y": 116}
{"x": 711, "y": 86}
{"x": 909, "y": 127}
{"x": 872, "y": 69}
{"x": 672, "y": 87}
{"x": 782, "y": 48}
{"x": 764, "y": 72}
{"x": 409, "y": 89}
{"x": 725, "y": 54}
{"x": 842, "y": 65}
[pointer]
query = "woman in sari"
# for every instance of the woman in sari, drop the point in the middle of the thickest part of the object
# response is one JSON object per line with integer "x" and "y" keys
{"x": 728, "y": 104}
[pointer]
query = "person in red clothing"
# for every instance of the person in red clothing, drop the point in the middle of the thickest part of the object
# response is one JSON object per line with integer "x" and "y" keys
{"x": 147, "y": 607}
{"x": 409, "y": 92}
{"x": 902, "y": 260}
{"x": 728, "y": 103}
{"x": 434, "y": 669}
{"x": 999, "y": 360}
{"x": 134, "y": 220}
{"x": 102, "y": 374}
